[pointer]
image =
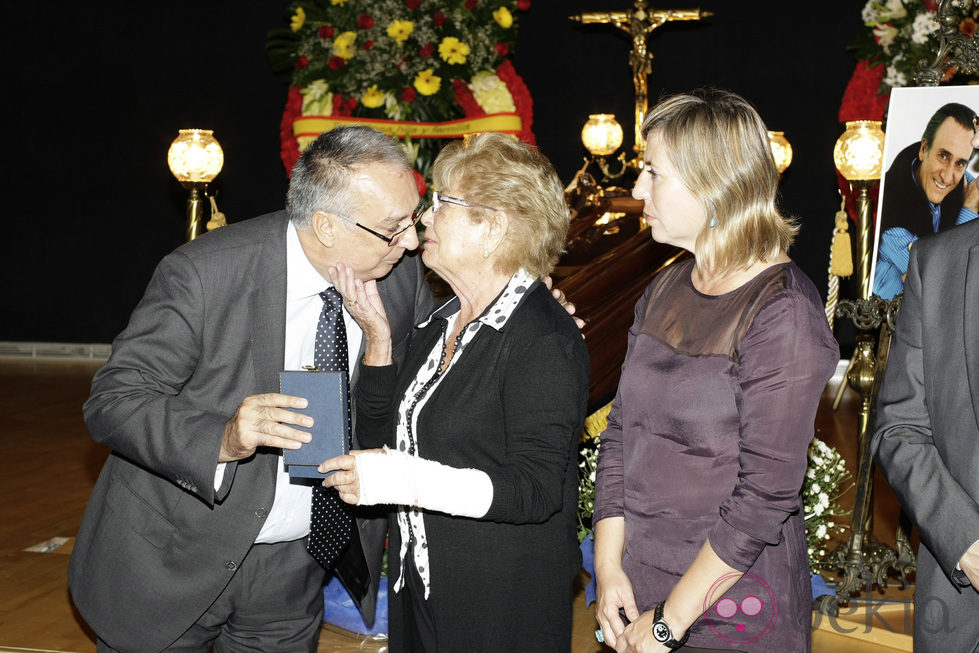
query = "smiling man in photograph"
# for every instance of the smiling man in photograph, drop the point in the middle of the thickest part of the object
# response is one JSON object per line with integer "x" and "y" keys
{"x": 926, "y": 190}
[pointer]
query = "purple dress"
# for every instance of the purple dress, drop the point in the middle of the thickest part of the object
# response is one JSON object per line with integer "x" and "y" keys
{"x": 707, "y": 439}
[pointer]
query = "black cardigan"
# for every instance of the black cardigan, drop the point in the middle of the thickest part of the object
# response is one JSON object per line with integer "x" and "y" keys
{"x": 513, "y": 406}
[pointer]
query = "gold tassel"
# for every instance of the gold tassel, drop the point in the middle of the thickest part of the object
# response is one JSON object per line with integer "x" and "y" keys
{"x": 840, "y": 255}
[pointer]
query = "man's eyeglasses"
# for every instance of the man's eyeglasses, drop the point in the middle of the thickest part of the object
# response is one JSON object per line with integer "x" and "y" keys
{"x": 438, "y": 198}
{"x": 394, "y": 238}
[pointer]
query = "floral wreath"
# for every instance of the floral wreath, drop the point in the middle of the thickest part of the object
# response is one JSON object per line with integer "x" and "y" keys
{"x": 419, "y": 70}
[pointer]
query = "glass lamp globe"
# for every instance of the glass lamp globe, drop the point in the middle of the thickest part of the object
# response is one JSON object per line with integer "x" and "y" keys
{"x": 195, "y": 156}
{"x": 781, "y": 150}
{"x": 602, "y": 134}
{"x": 859, "y": 152}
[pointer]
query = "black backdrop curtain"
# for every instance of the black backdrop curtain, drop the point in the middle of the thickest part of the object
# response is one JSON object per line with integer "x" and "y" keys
{"x": 95, "y": 92}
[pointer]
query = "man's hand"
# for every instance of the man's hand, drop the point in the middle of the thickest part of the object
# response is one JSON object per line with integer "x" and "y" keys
{"x": 260, "y": 421}
{"x": 562, "y": 299}
{"x": 972, "y": 195}
{"x": 970, "y": 564}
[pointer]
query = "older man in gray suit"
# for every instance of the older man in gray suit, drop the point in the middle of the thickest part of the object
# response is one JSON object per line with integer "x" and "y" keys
{"x": 194, "y": 536}
{"x": 927, "y": 438}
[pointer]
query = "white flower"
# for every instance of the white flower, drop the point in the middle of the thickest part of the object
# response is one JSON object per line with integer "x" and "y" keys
{"x": 924, "y": 25}
{"x": 885, "y": 35}
{"x": 816, "y": 488}
{"x": 869, "y": 14}
{"x": 821, "y": 531}
{"x": 895, "y": 77}
{"x": 823, "y": 499}
{"x": 891, "y": 10}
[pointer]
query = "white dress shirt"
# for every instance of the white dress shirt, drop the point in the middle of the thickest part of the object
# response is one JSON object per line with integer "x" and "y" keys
{"x": 289, "y": 516}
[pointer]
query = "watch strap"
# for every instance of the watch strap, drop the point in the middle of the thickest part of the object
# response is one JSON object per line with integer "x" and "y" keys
{"x": 671, "y": 642}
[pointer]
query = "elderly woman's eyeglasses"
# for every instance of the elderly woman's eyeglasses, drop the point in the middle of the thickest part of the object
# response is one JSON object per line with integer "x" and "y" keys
{"x": 392, "y": 239}
{"x": 438, "y": 198}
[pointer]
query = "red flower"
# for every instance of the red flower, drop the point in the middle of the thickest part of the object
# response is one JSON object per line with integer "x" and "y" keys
{"x": 365, "y": 22}
{"x": 471, "y": 4}
{"x": 502, "y": 49}
{"x": 412, "y": 4}
{"x": 409, "y": 94}
{"x": 428, "y": 50}
{"x": 302, "y": 62}
{"x": 860, "y": 99}
{"x": 523, "y": 5}
{"x": 931, "y": 5}
{"x": 466, "y": 100}
{"x": 290, "y": 146}
{"x": 420, "y": 182}
{"x": 326, "y": 32}
{"x": 368, "y": 45}
{"x": 968, "y": 27}
{"x": 521, "y": 100}
{"x": 438, "y": 19}
{"x": 336, "y": 63}
{"x": 343, "y": 106}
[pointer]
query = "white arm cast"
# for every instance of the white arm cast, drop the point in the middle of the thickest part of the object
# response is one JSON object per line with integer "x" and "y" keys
{"x": 399, "y": 479}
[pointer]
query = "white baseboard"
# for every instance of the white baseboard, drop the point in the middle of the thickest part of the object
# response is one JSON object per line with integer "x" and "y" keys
{"x": 55, "y": 350}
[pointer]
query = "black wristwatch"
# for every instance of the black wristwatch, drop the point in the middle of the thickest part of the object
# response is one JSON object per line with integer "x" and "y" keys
{"x": 662, "y": 632}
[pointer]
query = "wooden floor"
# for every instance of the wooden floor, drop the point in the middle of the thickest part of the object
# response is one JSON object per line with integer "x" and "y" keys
{"x": 50, "y": 465}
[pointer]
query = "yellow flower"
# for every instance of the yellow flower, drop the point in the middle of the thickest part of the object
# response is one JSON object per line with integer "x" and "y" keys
{"x": 338, "y": 2}
{"x": 491, "y": 93}
{"x": 453, "y": 50}
{"x": 343, "y": 45}
{"x": 427, "y": 83}
{"x": 400, "y": 30}
{"x": 298, "y": 19}
{"x": 373, "y": 98}
{"x": 503, "y": 17}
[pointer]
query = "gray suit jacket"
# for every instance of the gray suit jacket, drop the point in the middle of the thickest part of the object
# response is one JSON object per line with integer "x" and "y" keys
{"x": 927, "y": 437}
{"x": 158, "y": 544}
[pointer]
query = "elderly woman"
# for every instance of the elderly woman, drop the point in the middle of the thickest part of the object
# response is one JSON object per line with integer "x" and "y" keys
{"x": 699, "y": 531}
{"x": 483, "y": 419}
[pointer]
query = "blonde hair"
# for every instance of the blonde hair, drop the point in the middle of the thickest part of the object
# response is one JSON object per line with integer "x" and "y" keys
{"x": 498, "y": 171}
{"x": 719, "y": 146}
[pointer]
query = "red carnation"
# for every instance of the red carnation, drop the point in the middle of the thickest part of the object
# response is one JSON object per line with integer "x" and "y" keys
{"x": 427, "y": 51}
{"x": 523, "y": 5}
{"x": 365, "y": 22}
{"x": 336, "y": 63}
{"x": 326, "y": 32}
{"x": 502, "y": 49}
{"x": 438, "y": 19}
{"x": 471, "y": 4}
{"x": 420, "y": 183}
{"x": 412, "y": 4}
{"x": 368, "y": 45}
{"x": 290, "y": 146}
{"x": 302, "y": 62}
{"x": 409, "y": 94}
{"x": 969, "y": 27}
{"x": 931, "y": 5}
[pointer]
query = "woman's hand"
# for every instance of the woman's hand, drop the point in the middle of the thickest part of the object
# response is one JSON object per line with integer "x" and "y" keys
{"x": 638, "y": 637}
{"x": 364, "y": 305}
{"x": 345, "y": 477}
{"x": 614, "y": 592}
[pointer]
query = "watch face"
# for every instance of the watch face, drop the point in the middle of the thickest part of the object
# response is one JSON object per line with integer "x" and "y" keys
{"x": 661, "y": 631}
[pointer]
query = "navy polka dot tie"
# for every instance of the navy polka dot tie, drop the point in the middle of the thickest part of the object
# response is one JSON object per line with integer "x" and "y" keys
{"x": 331, "y": 524}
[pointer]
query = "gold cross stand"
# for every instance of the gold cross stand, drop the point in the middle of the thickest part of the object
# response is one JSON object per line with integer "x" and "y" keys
{"x": 639, "y": 23}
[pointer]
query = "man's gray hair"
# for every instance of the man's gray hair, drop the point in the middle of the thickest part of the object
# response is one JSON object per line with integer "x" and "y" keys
{"x": 321, "y": 177}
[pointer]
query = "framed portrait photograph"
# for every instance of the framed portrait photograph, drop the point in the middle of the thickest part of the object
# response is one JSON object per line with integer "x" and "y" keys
{"x": 930, "y": 175}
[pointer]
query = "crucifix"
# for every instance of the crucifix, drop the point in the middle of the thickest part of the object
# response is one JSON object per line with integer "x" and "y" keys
{"x": 639, "y": 23}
